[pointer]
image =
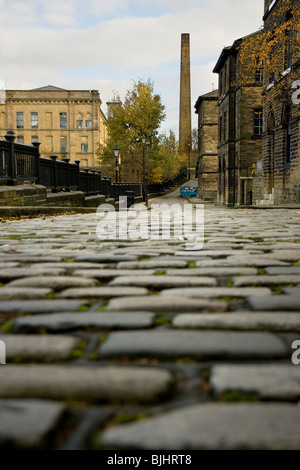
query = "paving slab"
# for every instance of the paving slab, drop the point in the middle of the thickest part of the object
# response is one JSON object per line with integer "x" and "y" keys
{"x": 16, "y": 273}
{"x": 38, "y": 348}
{"x": 15, "y": 293}
{"x": 40, "y": 306}
{"x": 163, "y": 281}
{"x": 275, "y": 303}
{"x": 261, "y": 261}
{"x": 71, "y": 320}
{"x": 53, "y": 282}
{"x": 195, "y": 344}
{"x": 262, "y": 321}
{"x": 295, "y": 291}
{"x": 27, "y": 423}
{"x": 289, "y": 270}
{"x": 105, "y": 258}
{"x": 272, "y": 381}
{"x": 101, "y": 383}
{"x": 156, "y": 264}
{"x": 213, "y": 272}
{"x": 266, "y": 280}
{"x": 111, "y": 273}
{"x": 214, "y": 292}
{"x": 212, "y": 426}
{"x": 166, "y": 304}
{"x": 102, "y": 292}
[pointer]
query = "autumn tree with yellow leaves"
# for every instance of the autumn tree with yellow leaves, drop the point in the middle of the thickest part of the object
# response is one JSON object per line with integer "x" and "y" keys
{"x": 274, "y": 52}
{"x": 134, "y": 127}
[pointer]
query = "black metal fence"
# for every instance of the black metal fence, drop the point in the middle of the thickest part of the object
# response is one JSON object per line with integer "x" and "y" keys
{"x": 19, "y": 163}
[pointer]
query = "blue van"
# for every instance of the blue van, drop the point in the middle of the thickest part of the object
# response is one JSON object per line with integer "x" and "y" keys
{"x": 186, "y": 191}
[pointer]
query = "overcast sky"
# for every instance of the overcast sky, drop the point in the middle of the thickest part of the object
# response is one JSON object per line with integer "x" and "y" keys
{"x": 105, "y": 44}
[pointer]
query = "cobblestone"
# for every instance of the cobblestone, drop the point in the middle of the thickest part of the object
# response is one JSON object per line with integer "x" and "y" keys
{"x": 200, "y": 343}
{"x": 211, "y": 292}
{"x": 260, "y": 321}
{"x": 69, "y": 321}
{"x": 195, "y": 344}
{"x": 276, "y": 382}
{"x": 88, "y": 383}
{"x": 38, "y": 348}
{"x": 163, "y": 281}
{"x": 173, "y": 304}
{"x": 211, "y": 427}
{"x": 27, "y": 423}
{"x": 102, "y": 292}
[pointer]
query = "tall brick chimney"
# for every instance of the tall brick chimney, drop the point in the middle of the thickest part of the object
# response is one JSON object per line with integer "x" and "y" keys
{"x": 185, "y": 118}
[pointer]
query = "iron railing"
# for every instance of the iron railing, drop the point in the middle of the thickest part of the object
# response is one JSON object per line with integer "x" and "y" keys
{"x": 19, "y": 163}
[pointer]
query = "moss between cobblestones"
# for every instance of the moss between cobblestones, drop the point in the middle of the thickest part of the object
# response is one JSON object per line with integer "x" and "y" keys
{"x": 192, "y": 265}
{"x": 238, "y": 396}
{"x": 262, "y": 272}
{"x": 83, "y": 309}
{"x": 162, "y": 321}
{"x": 160, "y": 273}
{"x": 7, "y": 327}
{"x": 124, "y": 418}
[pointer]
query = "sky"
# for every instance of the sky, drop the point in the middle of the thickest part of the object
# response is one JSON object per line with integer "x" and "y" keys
{"x": 105, "y": 45}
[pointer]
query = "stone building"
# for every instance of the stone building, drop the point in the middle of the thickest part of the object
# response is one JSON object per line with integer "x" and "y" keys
{"x": 67, "y": 123}
{"x": 207, "y": 165}
{"x": 240, "y": 126}
{"x": 281, "y": 109}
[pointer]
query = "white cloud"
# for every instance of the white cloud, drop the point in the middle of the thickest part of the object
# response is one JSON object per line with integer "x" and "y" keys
{"x": 107, "y": 44}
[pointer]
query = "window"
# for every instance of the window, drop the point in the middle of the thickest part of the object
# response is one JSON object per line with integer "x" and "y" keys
{"x": 20, "y": 139}
{"x": 34, "y": 121}
{"x": 259, "y": 72}
{"x": 288, "y": 51}
{"x": 20, "y": 121}
{"x": 258, "y": 121}
{"x": 89, "y": 124}
{"x": 63, "y": 120}
{"x": 79, "y": 124}
{"x": 84, "y": 148}
{"x": 225, "y": 126}
{"x": 34, "y": 138}
{"x": 63, "y": 144}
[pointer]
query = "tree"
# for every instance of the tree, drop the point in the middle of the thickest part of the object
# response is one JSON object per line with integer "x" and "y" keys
{"x": 138, "y": 118}
{"x": 274, "y": 51}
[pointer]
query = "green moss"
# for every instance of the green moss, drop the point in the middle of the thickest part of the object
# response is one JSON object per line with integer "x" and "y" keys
{"x": 7, "y": 327}
{"x": 68, "y": 260}
{"x": 229, "y": 283}
{"x": 162, "y": 321}
{"x": 103, "y": 308}
{"x": 84, "y": 308}
{"x": 238, "y": 396}
{"x": 124, "y": 418}
{"x": 262, "y": 272}
{"x": 50, "y": 296}
{"x": 160, "y": 273}
{"x": 192, "y": 265}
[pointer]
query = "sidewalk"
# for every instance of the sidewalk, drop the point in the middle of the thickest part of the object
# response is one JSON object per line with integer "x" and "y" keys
{"x": 125, "y": 344}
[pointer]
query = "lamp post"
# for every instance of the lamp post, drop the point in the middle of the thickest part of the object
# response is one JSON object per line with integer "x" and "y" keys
{"x": 145, "y": 196}
{"x": 116, "y": 154}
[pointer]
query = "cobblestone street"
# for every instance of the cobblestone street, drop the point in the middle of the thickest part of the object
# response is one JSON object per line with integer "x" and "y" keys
{"x": 148, "y": 344}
